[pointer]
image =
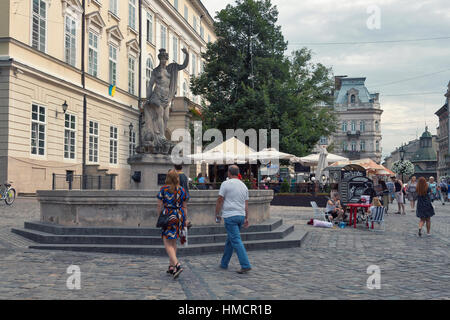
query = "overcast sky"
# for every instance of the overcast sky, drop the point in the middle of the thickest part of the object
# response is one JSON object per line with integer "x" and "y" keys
{"x": 407, "y": 105}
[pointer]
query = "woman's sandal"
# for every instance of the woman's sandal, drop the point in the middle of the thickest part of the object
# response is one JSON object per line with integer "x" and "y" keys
{"x": 177, "y": 271}
{"x": 170, "y": 270}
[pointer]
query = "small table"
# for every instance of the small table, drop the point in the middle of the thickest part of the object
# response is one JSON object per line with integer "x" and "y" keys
{"x": 354, "y": 210}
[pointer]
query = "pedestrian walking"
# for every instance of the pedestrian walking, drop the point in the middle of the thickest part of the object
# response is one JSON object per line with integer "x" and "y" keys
{"x": 411, "y": 192}
{"x": 172, "y": 200}
{"x": 184, "y": 181}
{"x": 425, "y": 208}
{"x": 391, "y": 188}
{"x": 443, "y": 191}
{"x": 399, "y": 196}
{"x": 385, "y": 194}
{"x": 233, "y": 203}
{"x": 433, "y": 189}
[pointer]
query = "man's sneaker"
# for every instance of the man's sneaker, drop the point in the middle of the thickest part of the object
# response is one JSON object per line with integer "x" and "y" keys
{"x": 242, "y": 271}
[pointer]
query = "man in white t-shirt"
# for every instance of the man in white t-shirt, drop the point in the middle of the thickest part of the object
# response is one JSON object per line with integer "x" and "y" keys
{"x": 233, "y": 202}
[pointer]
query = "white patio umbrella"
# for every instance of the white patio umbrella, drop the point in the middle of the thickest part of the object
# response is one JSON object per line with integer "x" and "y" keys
{"x": 313, "y": 159}
{"x": 322, "y": 163}
{"x": 270, "y": 154}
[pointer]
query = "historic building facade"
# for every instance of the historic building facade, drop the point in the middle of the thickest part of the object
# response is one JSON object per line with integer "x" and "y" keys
{"x": 421, "y": 152}
{"x": 443, "y": 155}
{"x": 94, "y": 57}
{"x": 359, "y": 116}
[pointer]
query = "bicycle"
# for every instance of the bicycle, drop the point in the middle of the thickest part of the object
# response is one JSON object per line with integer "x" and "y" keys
{"x": 8, "y": 194}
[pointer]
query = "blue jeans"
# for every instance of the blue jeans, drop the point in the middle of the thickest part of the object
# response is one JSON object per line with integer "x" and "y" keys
{"x": 233, "y": 226}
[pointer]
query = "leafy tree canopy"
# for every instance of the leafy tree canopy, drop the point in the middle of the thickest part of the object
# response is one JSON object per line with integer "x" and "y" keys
{"x": 250, "y": 83}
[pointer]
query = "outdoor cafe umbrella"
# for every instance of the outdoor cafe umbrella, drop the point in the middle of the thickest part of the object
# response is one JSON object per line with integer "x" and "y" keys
{"x": 322, "y": 163}
{"x": 270, "y": 154}
{"x": 313, "y": 159}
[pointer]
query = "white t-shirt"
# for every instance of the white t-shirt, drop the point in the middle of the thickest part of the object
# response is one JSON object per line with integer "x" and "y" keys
{"x": 235, "y": 193}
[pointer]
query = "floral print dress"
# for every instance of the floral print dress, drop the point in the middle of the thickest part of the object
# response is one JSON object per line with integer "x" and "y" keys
{"x": 173, "y": 206}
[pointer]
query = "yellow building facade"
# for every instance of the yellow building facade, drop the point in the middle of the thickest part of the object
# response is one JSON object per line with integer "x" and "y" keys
{"x": 93, "y": 57}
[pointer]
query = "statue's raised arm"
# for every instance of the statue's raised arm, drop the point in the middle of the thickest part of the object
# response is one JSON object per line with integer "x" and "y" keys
{"x": 186, "y": 60}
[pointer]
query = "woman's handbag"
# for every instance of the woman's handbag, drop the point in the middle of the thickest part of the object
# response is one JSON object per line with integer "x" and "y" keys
{"x": 163, "y": 220}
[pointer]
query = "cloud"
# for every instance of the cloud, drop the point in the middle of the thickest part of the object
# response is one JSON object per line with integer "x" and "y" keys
{"x": 324, "y": 21}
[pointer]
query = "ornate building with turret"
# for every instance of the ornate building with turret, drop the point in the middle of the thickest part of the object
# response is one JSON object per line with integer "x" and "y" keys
{"x": 359, "y": 115}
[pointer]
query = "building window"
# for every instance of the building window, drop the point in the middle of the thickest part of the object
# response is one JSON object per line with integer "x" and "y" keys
{"x": 323, "y": 141}
{"x": 113, "y": 7}
{"x": 362, "y": 126}
{"x": 70, "y": 40}
{"x": 185, "y": 89}
{"x": 194, "y": 65}
{"x": 344, "y": 126}
{"x": 93, "y": 54}
{"x": 377, "y": 126}
{"x": 186, "y": 12}
{"x": 175, "y": 4}
{"x": 37, "y": 130}
{"x": 132, "y": 144}
{"x": 378, "y": 146}
{"x": 175, "y": 48}
{"x": 39, "y": 25}
{"x": 132, "y": 14}
{"x": 131, "y": 74}
{"x": 209, "y": 38}
{"x": 362, "y": 145}
{"x": 113, "y": 145}
{"x": 194, "y": 23}
{"x": 148, "y": 70}
{"x": 149, "y": 28}
{"x": 344, "y": 146}
{"x": 202, "y": 32}
{"x": 93, "y": 141}
{"x": 163, "y": 37}
{"x": 353, "y": 98}
{"x": 353, "y": 126}
{"x": 69, "y": 136}
{"x": 353, "y": 145}
{"x": 112, "y": 65}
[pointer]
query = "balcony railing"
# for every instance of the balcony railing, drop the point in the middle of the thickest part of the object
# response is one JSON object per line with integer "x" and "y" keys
{"x": 355, "y": 133}
{"x": 353, "y": 155}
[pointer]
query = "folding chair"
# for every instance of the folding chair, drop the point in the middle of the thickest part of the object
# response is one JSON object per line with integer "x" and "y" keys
{"x": 377, "y": 216}
{"x": 318, "y": 213}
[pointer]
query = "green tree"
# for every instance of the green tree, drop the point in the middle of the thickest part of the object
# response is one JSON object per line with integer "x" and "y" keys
{"x": 250, "y": 83}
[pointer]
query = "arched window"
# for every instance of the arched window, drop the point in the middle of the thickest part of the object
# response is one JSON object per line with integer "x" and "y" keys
{"x": 362, "y": 126}
{"x": 362, "y": 145}
{"x": 148, "y": 69}
{"x": 377, "y": 126}
{"x": 353, "y": 98}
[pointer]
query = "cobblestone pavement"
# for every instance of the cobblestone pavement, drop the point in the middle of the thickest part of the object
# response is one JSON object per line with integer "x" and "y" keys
{"x": 332, "y": 264}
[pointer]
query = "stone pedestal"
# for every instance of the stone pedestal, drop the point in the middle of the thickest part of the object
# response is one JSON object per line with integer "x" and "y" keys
{"x": 152, "y": 169}
{"x": 132, "y": 208}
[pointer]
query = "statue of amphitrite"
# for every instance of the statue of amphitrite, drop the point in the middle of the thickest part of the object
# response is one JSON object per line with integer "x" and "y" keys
{"x": 160, "y": 93}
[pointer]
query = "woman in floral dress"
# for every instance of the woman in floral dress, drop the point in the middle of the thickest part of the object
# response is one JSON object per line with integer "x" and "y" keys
{"x": 172, "y": 198}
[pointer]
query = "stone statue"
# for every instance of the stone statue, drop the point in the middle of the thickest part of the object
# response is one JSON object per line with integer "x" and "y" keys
{"x": 160, "y": 93}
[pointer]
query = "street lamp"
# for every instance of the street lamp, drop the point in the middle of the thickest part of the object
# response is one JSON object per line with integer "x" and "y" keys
{"x": 402, "y": 157}
{"x": 64, "y": 107}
